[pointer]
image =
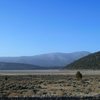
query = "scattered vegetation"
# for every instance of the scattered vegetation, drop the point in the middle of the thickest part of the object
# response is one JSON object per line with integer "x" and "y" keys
{"x": 48, "y": 85}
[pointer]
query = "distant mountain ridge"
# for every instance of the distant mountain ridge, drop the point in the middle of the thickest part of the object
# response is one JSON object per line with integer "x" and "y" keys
{"x": 17, "y": 66}
{"x": 91, "y": 61}
{"x": 47, "y": 60}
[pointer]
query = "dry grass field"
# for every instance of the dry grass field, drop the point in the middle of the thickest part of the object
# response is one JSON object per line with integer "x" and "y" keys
{"x": 49, "y": 83}
{"x": 48, "y": 72}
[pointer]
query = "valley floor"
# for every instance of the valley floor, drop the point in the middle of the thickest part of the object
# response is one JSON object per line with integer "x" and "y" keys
{"x": 48, "y": 72}
{"x": 63, "y": 84}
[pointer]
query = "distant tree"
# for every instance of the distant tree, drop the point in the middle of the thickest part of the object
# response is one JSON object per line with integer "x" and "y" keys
{"x": 79, "y": 76}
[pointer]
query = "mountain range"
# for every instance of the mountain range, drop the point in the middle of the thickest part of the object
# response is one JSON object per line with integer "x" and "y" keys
{"x": 91, "y": 61}
{"x": 17, "y": 66}
{"x": 50, "y": 60}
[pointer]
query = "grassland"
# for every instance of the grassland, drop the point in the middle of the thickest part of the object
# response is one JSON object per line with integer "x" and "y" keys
{"x": 51, "y": 84}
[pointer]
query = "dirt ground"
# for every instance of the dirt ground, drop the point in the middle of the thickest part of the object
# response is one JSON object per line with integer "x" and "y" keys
{"x": 49, "y": 85}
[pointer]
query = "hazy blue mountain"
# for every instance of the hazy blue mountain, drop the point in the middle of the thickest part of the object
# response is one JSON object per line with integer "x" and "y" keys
{"x": 17, "y": 66}
{"x": 47, "y": 60}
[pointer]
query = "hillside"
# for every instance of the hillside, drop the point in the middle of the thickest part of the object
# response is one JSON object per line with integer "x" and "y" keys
{"x": 47, "y": 60}
{"x": 17, "y": 66}
{"x": 91, "y": 61}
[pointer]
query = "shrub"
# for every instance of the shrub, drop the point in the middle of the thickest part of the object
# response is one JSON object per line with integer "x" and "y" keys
{"x": 6, "y": 78}
{"x": 79, "y": 76}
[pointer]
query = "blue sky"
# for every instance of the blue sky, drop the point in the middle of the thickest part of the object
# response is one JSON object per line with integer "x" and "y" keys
{"x": 29, "y": 27}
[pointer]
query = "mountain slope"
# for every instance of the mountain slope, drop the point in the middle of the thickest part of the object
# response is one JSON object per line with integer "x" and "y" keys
{"x": 17, "y": 66}
{"x": 47, "y": 60}
{"x": 91, "y": 61}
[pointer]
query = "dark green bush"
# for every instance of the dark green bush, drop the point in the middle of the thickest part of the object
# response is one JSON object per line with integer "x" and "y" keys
{"x": 79, "y": 76}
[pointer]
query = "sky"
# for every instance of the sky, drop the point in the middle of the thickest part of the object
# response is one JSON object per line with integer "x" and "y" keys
{"x": 31, "y": 27}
